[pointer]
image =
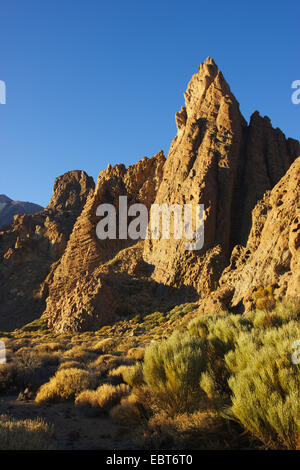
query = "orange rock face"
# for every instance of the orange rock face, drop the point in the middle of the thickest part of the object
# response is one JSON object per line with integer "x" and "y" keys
{"x": 272, "y": 254}
{"x": 219, "y": 161}
{"x": 83, "y": 286}
{"x": 216, "y": 159}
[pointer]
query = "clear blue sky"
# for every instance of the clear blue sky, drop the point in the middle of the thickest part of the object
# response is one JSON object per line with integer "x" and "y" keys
{"x": 95, "y": 82}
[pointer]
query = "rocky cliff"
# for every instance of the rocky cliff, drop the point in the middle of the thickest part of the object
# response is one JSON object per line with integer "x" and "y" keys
{"x": 85, "y": 287}
{"x": 272, "y": 254}
{"x": 216, "y": 159}
{"x": 238, "y": 171}
{"x": 32, "y": 243}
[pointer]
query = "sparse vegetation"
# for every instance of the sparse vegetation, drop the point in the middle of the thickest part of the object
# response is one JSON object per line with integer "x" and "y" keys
{"x": 24, "y": 434}
{"x": 208, "y": 369}
{"x": 178, "y": 379}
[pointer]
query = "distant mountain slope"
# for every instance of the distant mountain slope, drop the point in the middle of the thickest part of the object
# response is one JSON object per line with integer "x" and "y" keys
{"x": 9, "y": 208}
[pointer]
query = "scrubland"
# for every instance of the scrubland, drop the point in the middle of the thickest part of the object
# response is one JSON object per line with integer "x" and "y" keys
{"x": 168, "y": 380}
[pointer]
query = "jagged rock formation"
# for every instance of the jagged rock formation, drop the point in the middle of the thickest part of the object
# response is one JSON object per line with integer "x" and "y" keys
{"x": 216, "y": 159}
{"x": 267, "y": 157}
{"x": 32, "y": 243}
{"x": 82, "y": 288}
{"x": 219, "y": 161}
{"x": 272, "y": 254}
{"x": 10, "y": 208}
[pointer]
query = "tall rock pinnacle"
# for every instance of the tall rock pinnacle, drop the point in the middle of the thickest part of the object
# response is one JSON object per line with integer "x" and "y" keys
{"x": 201, "y": 168}
{"x": 216, "y": 160}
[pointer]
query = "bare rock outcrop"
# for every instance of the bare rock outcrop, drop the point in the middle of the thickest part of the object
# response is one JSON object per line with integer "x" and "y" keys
{"x": 272, "y": 254}
{"x": 55, "y": 260}
{"x": 83, "y": 285}
{"x": 267, "y": 157}
{"x": 32, "y": 243}
{"x": 216, "y": 159}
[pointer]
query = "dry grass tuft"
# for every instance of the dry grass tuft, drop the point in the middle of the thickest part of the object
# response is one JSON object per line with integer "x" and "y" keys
{"x": 71, "y": 365}
{"x": 108, "y": 362}
{"x": 24, "y": 435}
{"x": 66, "y": 384}
{"x": 200, "y": 430}
{"x": 136, "y": 353}
{"x": 129, "y": 411}
{"x": 104, "y": 346}
{"x": 104, "y": 398}
{"x": 79, "y": 353}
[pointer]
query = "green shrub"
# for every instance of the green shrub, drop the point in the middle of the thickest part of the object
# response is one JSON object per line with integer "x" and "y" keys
{"x": 133, "y": 375}
{"x": 266, "y": 385}
{"x": 219, "y": 334}
{"x": 172, "y": 370}
{"x": 264, "y": 299}
{"x": 240, "y": 363}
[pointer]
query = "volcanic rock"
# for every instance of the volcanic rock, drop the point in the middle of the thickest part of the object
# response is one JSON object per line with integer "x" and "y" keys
{"x": 83, "y": 286}
{"x": 272, "y": 254}
{"x": 219, "y": 161}
{"x": 31, "y": 244}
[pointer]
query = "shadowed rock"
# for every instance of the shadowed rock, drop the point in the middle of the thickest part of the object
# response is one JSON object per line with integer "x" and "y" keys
{"x": 31, "y": 244}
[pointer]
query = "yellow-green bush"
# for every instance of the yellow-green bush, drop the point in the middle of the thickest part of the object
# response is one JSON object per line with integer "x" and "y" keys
{"x": 136, "y": 353}
{"x": 103, "y": 364}
{"x": 238, "y": 365}
{"x": 133, "y": 375}
{"x": 72, "y": 365}
{"x": 266, "y": 385}
{"x": 104, "y": 346}
{"x": 172, "y": 370}
{"x": 264, "y": 298}
{"x": 79, "y": 353}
